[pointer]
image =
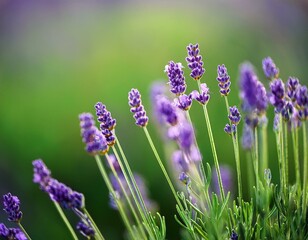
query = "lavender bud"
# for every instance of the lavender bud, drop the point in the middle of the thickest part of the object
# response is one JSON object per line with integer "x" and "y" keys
{"x": 276, "y": 124}
{"x": 287, "y": 111}
{"x": 269, "y": 68}
{"x": 104, "y": 116}
{"x": 184, "y": 178}
{"x": 180, "y": 161}
{"x": 202, "y": 97}
{"x": 224, "y": 80}
{"x": 194, "y": 61}
{"x": 278, "y": 92}
{"x": 137, "y": 108}
{"x": 167, "y": 110}
{"x": 230, "y": 129}
{"x": 11, "y": 233}
{"x": 42, "y": 174}
{"x": 184, "y": 102}
{"x": 85, "y": 229}
{"x": 302, "y": 97}
{"x": 186, "y": 136}
{"x": 234, "y": 115}
{"x": 234, "y": 235}
{"x": 12, "y": 207}
{"x": 247, "y": 138}
{"x": 176, "y": 77}
{"x": 292, "y": 85}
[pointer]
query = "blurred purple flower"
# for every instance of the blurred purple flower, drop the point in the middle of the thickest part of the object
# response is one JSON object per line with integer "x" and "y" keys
{"x": 226, "y": 177}
{"x": 269, "y": 68}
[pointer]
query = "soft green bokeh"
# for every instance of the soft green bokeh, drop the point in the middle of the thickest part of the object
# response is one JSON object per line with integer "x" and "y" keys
{"x": 58, "y": 61}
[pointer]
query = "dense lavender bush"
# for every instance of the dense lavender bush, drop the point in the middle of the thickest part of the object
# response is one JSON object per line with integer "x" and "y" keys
{"x": 208, "y": 204}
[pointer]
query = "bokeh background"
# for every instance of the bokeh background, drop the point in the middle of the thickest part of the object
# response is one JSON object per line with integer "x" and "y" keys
{"x": 58, "y": 58}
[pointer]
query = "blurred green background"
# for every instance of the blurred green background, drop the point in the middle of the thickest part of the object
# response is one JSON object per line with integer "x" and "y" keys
{"x": 58, "y": 58}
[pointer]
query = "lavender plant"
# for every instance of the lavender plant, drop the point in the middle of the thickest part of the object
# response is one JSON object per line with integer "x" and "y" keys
{"x": 205, "y": 207}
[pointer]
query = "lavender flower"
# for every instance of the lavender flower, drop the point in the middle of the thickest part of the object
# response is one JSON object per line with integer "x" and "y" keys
{"x": 194, "y": 61}
{"x": 287, "y": 111}
{"x": 11, "y": 233}
{"x": 158, "y": 89}
{"x": 179, "y": 160}
{"x": 41, "y": 174}
{"x": 176, "y": 77}
{"x": 276, "y": 123}
{"x": 224, "y": 80}
{"x": 115, "y": 163}
{"x": 234, "y": 115}
{"x": 247, "y": 138}
{"x": 91, "y": 136}
{"x": 234, "y": 235}
{"x": 107, "y": 123}
{"x": 230, "y": 129}
{"x": 104, "y": 116}
{"x": 269, "y": 68}
{"x": 302, "y": 102}
{"x": 278, "y": 92}
{"x": 202, "y": 97}
{"x": 137, "y": 108}
{"x": 85, "y": 229}
{"x": 186, "y": 136}
{"x": 167, "y": 110}
{"x": 64, "y": 195}
{"x": 184, "y": 102}
{"x": 11, "y": 205}
{"x": 184, "y": 178}
{"x": 252, "y": 91}
{"x": 226, "y": 178}
{"x": 292, "y": 85}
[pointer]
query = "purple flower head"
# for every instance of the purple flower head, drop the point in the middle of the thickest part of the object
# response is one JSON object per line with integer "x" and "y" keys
{"x": 292, "y": 85}
{"x": 85, "y": 229}
{"x": 224, "y": 80}
{"x": 11, "y": 233}
{"x": 64, "y": 195}
{"x": 226, "y": 177}
{"x": 234, "y": 235}
{"x": 287, "y": 111}
{"x": 91, "y": 136}
{"x": 167, "y": 110}
{"x": 158, "y": 89}
{"x": 184, "y": 102}
{"x": 12, "y": 207}
{"x": 114, "y": 162}
{"x": 186, "y": 136}
{"x": 176, "y": 77}
{"x": 104, "y": 117}
{"x": 194, "y": 61}
{"x": 41, "y": 174}
{"x": 230, "y": 129}
{"x": 179, "y": 160}
{"x": 137, "y": 108}
{"x": 277, "y": 94}
{"x": 202, "y": 97}
{"x": 302, "y": 97}
{"x": 276, "y": 123}
{"x": 234, "y": 115}
{"x": 184, "y": 178}
{"x": 247, "y": 138}
{"x": 194, "y": 154}
{"x": 252, "y": 91}
{"x": 269, "y": 68}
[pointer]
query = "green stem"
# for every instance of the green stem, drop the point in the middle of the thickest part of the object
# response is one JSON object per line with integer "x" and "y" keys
{"x": 286, "y": 152}
{"x": 139, "y": 202}
{"x": 94, "y": 224}
{"x": 236, "y": 154}
{"x": 280, "y": 165}
{"x": 160, "y": 163}
{"x": 65, "y": 220}
{"x": 305, "y": 165}
{"x": 296, "y": 158}
{"x": 283, "y": 162}
{"x": 111, "y": 190}
{"x": 126, "y": 196}
{"x": 24, "y": 230}
{"x": 256, "y": 158}
{"x": 264, "y": 147}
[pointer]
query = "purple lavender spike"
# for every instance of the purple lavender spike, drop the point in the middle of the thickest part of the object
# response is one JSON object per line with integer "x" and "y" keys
{"x": 194, "y": 61}
{"x": 247, "y": 138}
{"x": 11, "y": 205}
{"x": 64, "y": 195}
{"x": 226, "y": 178}
{"x": 158, "y": 89}
{"x": 42, "y": 174}
{"x": 292, "y": 85}
{"x": 167, "y": 110}
{"x": 186, "y": 136}
{"x": 180, "y": 161}
{"x": 104, "y": 116}
{"x": 176, "y": 77}
{"x": 11, "y": 233}
{"x": 137, "y": 108}
{"x": 184, "y": 102}
{"x": 85, "y": 229}
{"x": 224, "y": 80}
{"x": 234, "y": 115}
{"x": 184, "y": 178}
{"x": 287, "y": 111}
{"x": 269, "y": 68}
{"x": 203, "y": 97}
{"x": 277, "y": 94}
{"x": 230, "y": 129}
{"x": 95, "y": 141}
{"x": 234, "y": 235}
